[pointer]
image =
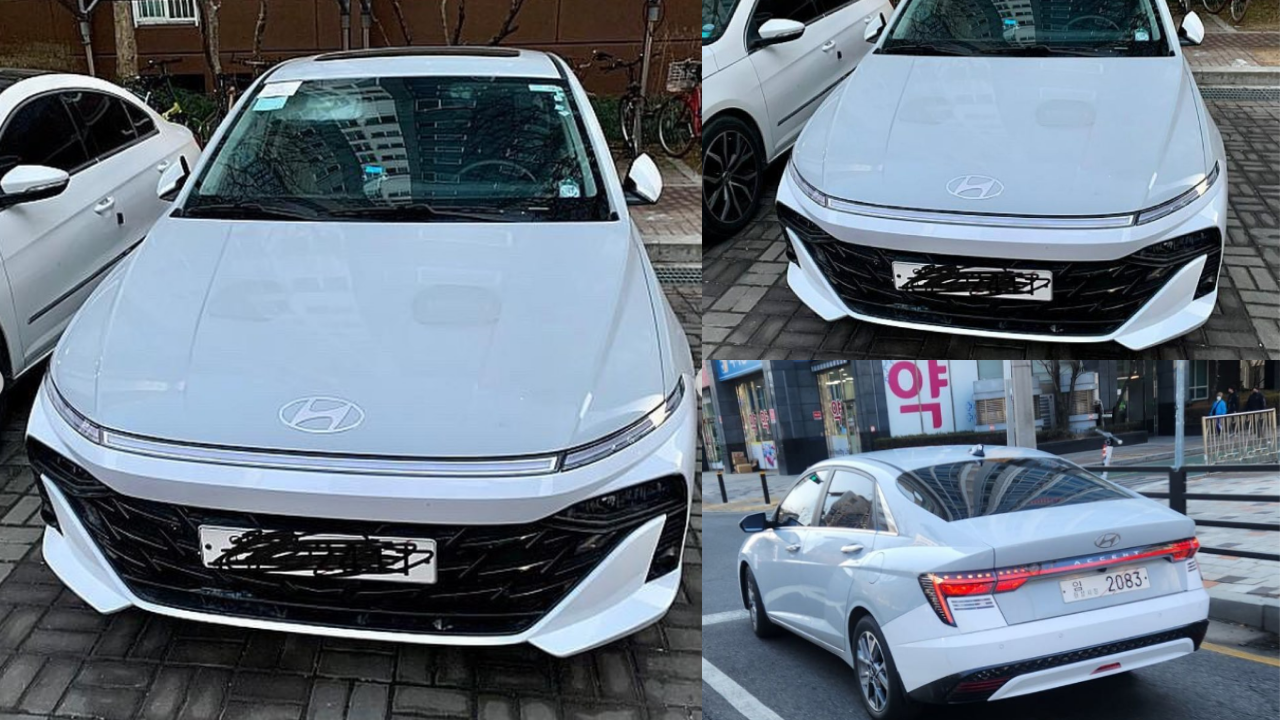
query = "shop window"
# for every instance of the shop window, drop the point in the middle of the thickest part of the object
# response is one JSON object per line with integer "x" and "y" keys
{"x": 1198, "y": 382}
{"x": 164, "y": 12}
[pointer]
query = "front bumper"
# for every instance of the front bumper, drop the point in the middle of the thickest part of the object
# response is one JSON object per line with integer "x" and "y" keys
{"x": 1033, "y": 656}
{"x": 583, "y": 584}
{"x": 1157, "y": 306}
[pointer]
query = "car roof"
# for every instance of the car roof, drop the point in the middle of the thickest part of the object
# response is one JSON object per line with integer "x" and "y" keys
{"x": 915, "y": 458}
{"x": 12, "y": 76}
{"x": 420, "y": 61}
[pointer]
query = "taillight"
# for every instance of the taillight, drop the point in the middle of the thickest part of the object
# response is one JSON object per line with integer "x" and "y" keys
{"x": 940, "y": 586}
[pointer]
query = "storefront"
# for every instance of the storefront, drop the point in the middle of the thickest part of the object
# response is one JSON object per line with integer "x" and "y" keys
{"x": 836, "y": 389}
{"x": 758, "y": 422}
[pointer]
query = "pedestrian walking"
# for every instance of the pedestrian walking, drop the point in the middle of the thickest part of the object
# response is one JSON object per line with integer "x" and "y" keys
{"x": 1256, "y": 401}
{"x": 1233, "y": 401}
{"x": 1219, "y": 408}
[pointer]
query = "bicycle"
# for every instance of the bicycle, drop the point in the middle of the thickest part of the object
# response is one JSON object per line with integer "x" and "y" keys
{"x": 630, "y": 102}
{"x": 151, "y": 88}
{"x": 1238, "y": 9}
{"x": 680, "y": 117}
{"x": 1214, "y": 6}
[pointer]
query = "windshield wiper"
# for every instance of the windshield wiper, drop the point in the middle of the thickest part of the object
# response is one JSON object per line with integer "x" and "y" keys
{"x": 250, "y": 210}
{"x": 944, "y": 49}
{"x": 420, "y": 212}
{"x": 1043, "y": 51}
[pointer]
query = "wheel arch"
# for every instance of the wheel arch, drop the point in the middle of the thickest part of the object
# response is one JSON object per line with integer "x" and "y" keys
{"x": 746, "y": 117}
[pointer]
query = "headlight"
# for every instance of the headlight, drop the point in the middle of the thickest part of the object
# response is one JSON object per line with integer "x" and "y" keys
{"x": 627, "y": 436}
{"x": 1183, "y": 200}
{"x": 78, "y": 422}
{"x": 809, "y": 190}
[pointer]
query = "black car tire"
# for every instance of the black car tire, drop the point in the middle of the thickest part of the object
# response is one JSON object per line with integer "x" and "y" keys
{"x": 733, "y": 165}
{"x": 896, "y": 704}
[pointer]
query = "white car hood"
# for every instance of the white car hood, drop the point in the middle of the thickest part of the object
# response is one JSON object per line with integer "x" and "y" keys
{"x": 455, "y": 340}
{"x": 1064, "y": 136}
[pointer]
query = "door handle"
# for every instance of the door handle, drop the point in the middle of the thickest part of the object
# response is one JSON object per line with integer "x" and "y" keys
{"x": 793, "y": 548}
{"x": 850, "y": 549}
{"x": 866, "y": 20}
{"x": 163, "y": 166}
{"x": 104, "y": 206}
{"x": 828, "y": 46}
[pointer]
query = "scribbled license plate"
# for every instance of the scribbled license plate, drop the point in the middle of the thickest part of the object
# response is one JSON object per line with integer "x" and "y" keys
{"x": 337, "y": 556}
{"x": 974, "y": 281}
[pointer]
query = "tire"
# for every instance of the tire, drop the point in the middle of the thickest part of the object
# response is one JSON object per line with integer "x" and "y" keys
{"x": 1238, "y": 9}
{"x": 628, "y": 107}
{"x": 733, "y": 165}
{"x": 760, "y": 622}
{"x": 1214, "y": 6}
{"x": 675, "y": 127}
{"x": 879, "y": 685}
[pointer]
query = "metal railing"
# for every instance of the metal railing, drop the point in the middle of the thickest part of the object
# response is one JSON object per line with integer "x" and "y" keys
{"x": 1178, "y": 496}
{"x": 1239, "y": 436}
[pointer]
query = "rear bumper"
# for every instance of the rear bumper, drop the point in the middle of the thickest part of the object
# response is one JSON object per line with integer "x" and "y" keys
{"x": 1048, "y": 671}
{"x": 1043, "y": 654}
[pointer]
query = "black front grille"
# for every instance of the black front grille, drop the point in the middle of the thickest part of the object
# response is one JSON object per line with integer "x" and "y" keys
{"x": 491, "y": 579}
{"x": 1089, "y": 298}
{"x": 979, "y": 685}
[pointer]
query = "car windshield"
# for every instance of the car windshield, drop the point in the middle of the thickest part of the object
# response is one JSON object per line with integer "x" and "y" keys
{"x": 973, "y": 488}
{"x": 413, "y": 149}
{"x": 1033, "y": 28}
{"x": 715, "y": 15}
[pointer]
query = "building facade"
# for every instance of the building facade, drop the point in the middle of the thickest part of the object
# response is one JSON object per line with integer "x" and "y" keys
{"x": 784, "y": 416}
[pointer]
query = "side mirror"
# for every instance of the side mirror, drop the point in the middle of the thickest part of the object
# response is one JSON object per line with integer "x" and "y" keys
{"x": 643, "y": 184}
{"x": 754, "y": 523}
{"x": 1191, "y": 31}
{"x": 173, "y": 179}
{"x": 28, "y": 183}
{"x": 875, "y": 26}
{"x": 773, "y": 32}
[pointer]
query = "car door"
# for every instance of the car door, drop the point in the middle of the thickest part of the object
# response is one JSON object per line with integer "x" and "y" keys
{"x": 777, "y": 570}
{"x": 850, "y": 19}
{"x": 49, "y": 247}
{"x": 143, "y": 163}
{"x": 794, "y": 76}
{"x": 836, "y": 550}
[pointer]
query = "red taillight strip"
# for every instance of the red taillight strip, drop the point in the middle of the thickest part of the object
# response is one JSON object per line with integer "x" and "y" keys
{"x": 940, "y": 586}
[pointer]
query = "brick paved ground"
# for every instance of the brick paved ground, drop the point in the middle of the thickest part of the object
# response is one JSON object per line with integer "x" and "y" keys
{"x": 752, "y": 314}
{"x": 1235, "y": 49}
{"x": 672, "y": 228}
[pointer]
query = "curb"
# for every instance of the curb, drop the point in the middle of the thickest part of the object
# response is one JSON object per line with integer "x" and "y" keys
{"x": 1243, "y": 609}
{"x": 1237, "y": 76}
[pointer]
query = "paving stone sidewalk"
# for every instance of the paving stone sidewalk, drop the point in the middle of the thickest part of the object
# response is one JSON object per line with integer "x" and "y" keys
{"x": 672, "y": 227}
{"x": 752, "y": 314}
{"x": 60, "y": 659}
{"x": 1235, "y": 49}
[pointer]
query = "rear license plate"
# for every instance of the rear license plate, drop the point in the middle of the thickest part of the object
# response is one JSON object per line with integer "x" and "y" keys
{"x": 1096, "y": 586}
{"x": 337, "y": 556}
{"x": 974, "y": 281}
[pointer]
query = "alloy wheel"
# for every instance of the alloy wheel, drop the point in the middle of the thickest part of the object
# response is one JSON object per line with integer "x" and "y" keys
{"x": 751, "y": 607}
{"x": 729, "y": 176}
{"x": 873, "y": 674}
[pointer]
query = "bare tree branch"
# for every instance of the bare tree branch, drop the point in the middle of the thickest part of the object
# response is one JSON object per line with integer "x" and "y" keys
{"x": 259, "y": 29}
{"x": 508, "y": 25}
{"x": 404, "y": 25}
{"x": 462, "y": 18}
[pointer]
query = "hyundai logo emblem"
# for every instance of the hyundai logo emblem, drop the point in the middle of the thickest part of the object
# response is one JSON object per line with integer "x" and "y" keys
{"x": 321, "y": 414}
{"x": 975, "y": 187}
{"x": 1107, "y": 541}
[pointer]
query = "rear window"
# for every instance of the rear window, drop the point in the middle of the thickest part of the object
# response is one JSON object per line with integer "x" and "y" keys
{"x": 973, "y": 488}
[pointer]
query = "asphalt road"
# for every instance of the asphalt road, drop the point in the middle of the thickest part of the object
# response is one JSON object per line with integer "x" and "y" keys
{"x": 795, "y": 680}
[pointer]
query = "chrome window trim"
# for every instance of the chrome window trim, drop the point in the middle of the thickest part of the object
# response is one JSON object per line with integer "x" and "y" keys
{"x": 513, "y": 467}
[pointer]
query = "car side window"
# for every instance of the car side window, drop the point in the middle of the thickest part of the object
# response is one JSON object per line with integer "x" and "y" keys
{"x": 41, "y": 132}
{"x": 826, "y": 7}
{"x": 797, "y": 508}
{"x": 805, "y": 11}
{"x": 142, "y": 123}
{"x": 106, "y": 124}
{"x": 850, "y": 502}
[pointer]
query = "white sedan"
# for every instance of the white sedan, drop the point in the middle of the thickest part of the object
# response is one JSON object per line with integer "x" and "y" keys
{"x": 1037, "y": 171}
{"x": 79, "y": 163}
{"x": 396, "y": 367}
{"x": 951, "y": 575}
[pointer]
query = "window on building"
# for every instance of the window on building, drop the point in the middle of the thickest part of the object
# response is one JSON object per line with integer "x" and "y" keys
{"x": 164, "y": 12}
{"x": 1198, "y": 382}
{"x": 1081, "y": 402}
{"x": 990, "y": 369}
{"x": 991, "y": 411}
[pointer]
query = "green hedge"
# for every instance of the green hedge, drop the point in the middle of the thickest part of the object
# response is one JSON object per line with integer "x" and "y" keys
{"x": 971, "y": 437}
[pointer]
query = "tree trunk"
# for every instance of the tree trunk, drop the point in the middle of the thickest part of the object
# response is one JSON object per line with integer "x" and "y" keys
{"x": 126, "y": 43}
{"x": 259, "y": 29}
{"x": 212, "y": 45}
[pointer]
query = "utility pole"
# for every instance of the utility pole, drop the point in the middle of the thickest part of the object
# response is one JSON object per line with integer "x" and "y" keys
{"x": 1019, "y": 416}
{"x": 1180, "y": 411}
{"x": 653, "y": 10}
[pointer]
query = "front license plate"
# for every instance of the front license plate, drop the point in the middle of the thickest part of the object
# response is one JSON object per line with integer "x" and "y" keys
{"x": 974, "y": 281}
{"x": 337, "y": 556}
{"x": 1096, "y": 586}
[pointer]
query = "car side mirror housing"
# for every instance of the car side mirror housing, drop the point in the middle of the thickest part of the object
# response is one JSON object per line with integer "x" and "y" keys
{"x": 643, "y": 184}
{"x": 173, "y": 180}
{"x": 755, "y": 522}
{"x": 875, "y": 26}
{"x": 774, "y": 32}
{"x": 1191, "y": 31}
{"x": 29, "y": 183}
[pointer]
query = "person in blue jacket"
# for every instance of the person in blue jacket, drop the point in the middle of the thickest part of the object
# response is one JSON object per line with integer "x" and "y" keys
{"x": 1219, "y": 408}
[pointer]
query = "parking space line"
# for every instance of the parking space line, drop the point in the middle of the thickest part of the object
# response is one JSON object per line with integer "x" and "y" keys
{"x": 720, "y": 617}
{"x": 736, "y": 695}
{"x": 1240, "y": 654}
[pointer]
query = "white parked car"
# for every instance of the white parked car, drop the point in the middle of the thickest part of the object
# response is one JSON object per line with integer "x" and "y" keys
{"x": 396, "y": 367}
{"x": 951, "y": 574}
{"x": 766, "y": 66}
{"x": 79, "y": 162}
{"x": 1036, "y": 171}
